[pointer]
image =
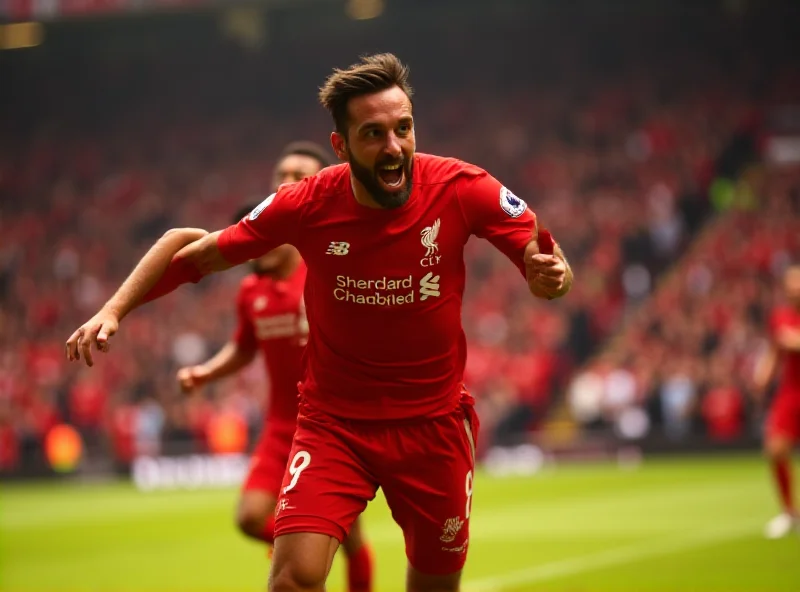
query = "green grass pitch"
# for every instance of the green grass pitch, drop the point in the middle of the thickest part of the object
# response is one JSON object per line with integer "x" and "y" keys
{"x": 669, "y": 525}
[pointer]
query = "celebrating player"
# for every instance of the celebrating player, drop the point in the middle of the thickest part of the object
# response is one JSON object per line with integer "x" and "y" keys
{"x": 272, "y": 320}
{"x": 382, "y": 401}
{"x": 783, "y": 421}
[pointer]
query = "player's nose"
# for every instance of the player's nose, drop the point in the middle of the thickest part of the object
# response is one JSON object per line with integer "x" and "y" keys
{"x": 393, "y": 147}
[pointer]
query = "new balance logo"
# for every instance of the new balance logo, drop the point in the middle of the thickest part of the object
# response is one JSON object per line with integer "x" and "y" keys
{"x": 429, "y": 286}
{"x": 337, "y": 248}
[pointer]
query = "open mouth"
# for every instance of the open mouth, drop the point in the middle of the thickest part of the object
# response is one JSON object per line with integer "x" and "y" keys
{"x": 391, "y": 175}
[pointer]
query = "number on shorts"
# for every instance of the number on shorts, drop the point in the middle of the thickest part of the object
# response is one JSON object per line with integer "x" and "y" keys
{"x": 300, "y": 461}
{"x": 468, "y": 489}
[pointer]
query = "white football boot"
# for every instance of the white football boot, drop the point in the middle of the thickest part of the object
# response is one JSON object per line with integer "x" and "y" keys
{"x": 782, "y": 525}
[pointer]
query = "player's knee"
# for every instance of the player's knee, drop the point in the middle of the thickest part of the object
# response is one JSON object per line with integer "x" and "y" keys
{"x": 291, "y": 576}
{"x": 248, "y": 524}
{"x": 251, "y": 519}
{"x": 777, "y": 448}
{"x": 301, "y": 562}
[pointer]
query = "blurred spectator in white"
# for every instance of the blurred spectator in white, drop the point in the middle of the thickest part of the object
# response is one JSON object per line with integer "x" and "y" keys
{"x": 678, "y": 394}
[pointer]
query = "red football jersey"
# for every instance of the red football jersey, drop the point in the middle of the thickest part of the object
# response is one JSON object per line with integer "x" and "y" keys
{"x": 790, "y": 375}
{"x": 272, "y": 319}
{"x": 384, "y": 287}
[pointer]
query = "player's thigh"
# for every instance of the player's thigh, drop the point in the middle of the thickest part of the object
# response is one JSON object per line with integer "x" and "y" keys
{"x": 326, "y": 484}
{"x": 430, "y": 493}
{"x": 269, "y": 459}
{"x": 301, "y": 561}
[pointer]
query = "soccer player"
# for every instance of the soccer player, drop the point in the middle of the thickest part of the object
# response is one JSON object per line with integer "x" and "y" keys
{"x": 783, "y": 420}
{"x": 272, "y": 320}
{"x": 382, "y": 402}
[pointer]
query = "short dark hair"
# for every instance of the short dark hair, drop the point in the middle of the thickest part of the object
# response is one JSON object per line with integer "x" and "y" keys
{"x": 310, "y": 149}
{"x": 243, "y": 211}
{"x": 372, "y": 74}
{"x": 302, "y": 148}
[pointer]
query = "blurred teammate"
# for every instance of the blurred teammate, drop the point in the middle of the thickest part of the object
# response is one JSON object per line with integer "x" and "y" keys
{"x": 783, "y": 420}
{"x": 382, "y": 403}
{"x": 272, "y": 320}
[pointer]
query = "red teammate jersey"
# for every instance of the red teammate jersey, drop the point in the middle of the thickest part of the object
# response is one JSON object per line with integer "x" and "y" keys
{"x": 790, "y": 377}
{"x": 272, "y": 319}
{"x": 384, "y": 287}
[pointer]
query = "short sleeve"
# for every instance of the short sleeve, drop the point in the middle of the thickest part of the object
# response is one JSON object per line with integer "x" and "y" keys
{"x": 776, "y": 322}
{"x": 496, "y": 214}
{"x": 244, "y": 336}
{"x": 273, "y": 222}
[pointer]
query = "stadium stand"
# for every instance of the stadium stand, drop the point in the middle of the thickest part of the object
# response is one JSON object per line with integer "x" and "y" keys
{"x": 617, "y": 160}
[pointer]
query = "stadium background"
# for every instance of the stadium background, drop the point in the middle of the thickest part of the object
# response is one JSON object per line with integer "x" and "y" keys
{"x": 660, "y": 141}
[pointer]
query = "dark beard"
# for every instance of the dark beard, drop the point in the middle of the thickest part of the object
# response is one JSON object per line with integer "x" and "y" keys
{"x": 368, "y": 178}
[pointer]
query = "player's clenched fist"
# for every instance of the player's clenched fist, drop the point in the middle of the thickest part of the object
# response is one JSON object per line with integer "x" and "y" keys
{"x": 93, "y": 333}
{"x": 546, "y": 274}
{"x": 192, "y": 377}
{"x": 545, "y": 271}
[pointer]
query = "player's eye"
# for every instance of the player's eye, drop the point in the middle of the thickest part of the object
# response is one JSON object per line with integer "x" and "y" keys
{"x": 404, "y": 129}
{"x": 373, "y": 133}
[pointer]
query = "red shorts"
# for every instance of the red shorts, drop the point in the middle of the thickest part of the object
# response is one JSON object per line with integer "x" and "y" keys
{"x": 424, "y": 466}
{"x": 268, "y": 463}
{"x": 784, "y": 416}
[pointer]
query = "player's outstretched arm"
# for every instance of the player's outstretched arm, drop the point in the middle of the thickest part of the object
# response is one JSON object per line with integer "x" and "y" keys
{"x": 180, "y": 256}
{"x": 547, "y": 270}
{"x": 228, "y": 360}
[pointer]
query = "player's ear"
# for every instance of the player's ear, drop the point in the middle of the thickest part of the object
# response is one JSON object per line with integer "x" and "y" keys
{"x": 339, "y": 145}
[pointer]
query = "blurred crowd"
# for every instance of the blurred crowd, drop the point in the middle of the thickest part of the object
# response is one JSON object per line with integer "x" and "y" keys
{"x": 684, "y": 364}
{"x": 616, "y": 163}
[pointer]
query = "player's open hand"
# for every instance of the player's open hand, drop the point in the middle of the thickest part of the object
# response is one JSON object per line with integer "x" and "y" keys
{"x": 94, "y": 333}
{"x": 192, "y": 377}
